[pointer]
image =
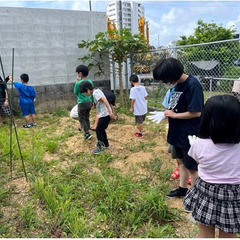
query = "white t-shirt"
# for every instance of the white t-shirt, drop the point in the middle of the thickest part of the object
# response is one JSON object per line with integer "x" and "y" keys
{"x": 140, "y": 106}
{"x": 218, "y": 163}
{"x": 100, "y": 105}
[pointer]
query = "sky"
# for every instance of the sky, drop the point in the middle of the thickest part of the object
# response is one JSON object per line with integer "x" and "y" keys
{"x": 168, "y": 20}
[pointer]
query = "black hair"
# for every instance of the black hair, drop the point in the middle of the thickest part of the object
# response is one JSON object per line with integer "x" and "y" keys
{"x": 220, "y": 119}
{"x": 168, "y": 70}
{"x": 133, "y": 78}
{"x": 82, "y": 69}
{"x": 85, "y": 86}
{"x": 24, "y": 77}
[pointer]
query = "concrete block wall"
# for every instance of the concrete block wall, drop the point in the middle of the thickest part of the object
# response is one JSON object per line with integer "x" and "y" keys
{"x": 45, "y": 44}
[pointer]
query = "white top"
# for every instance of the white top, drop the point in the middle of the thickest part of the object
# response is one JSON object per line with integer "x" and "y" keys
{"x": 140, "y": 106}
{"x": 218, "y": 163}
{"x": 100, "y": 105}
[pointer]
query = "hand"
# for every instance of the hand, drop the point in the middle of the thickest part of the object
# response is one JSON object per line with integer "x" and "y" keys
{"x": 170, "y": 113}
{"x": 10, "y": 78}
{"x": 113, "y": 116}
{"x": 156, "y": 117}
{"x": 6, "y": 103}
{"x": 131, "y": 110}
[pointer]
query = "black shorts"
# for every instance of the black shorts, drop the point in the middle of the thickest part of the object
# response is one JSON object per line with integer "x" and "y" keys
{"x": 140, "y": 119}
{"x": 187, "y": 161}
{"x": 172, "y": 150}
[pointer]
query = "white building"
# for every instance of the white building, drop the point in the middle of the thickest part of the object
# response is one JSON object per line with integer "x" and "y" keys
{"x": 130, "y": 13}
{"x": 124, "y": 15}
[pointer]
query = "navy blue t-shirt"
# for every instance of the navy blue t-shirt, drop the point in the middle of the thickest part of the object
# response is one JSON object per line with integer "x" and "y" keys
{"x": 187, "y": 97}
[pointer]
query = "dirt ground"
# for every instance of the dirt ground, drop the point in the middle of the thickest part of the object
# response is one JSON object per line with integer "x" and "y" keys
{"x": 121, "y": 139}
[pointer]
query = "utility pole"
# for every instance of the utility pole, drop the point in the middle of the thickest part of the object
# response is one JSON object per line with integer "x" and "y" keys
{"x": 120, "y": 15}
{"x": 90, "y": 5}
{"x": 125, "y": 63}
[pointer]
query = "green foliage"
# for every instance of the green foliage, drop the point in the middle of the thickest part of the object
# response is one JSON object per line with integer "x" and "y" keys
{"x": 225, "y": 53}
{"x": 207, "y": 32}
{"x": 77, "y": 195}
{"x": 28, "y": 216}
{"x": 52, "y": 146}
{"x": 119, "y": 48}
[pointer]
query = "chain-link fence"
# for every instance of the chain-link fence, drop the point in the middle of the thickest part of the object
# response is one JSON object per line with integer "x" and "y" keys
{"x": 215, "y": 64}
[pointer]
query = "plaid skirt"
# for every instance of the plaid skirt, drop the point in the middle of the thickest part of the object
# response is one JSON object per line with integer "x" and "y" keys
{"x": 215, "y": 205}
{"x": 4, "y": 110}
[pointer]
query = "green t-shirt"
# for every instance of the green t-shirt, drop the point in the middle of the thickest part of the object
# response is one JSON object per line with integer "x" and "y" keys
{"x": 81, "y": 97}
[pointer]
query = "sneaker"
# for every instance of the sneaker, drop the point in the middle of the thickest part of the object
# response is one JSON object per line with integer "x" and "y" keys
{"x": 98, "y": 150}
{"x": 87, "y": 136}
{"x": 27, "y": 125}
{"x": 137, "y": 134}
{"x": 33, "y": 124}
{"x": 187, "y": 211}
{"x": 191, "y": 219}
{"x": 179, "y": 192}
{"x": 102, "y": 145}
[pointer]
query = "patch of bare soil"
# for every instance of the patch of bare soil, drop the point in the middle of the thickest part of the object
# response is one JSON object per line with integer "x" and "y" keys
{"x": 123, "y": 144}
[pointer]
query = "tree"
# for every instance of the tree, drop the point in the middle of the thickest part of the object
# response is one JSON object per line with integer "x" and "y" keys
{"x": 225, "y": 53}
{"x": 118, "y": 44}
{"x": 207, "y": 32}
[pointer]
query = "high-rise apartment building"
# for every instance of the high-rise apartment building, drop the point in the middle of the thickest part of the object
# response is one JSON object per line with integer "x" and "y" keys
{"x": 125, "y": 14}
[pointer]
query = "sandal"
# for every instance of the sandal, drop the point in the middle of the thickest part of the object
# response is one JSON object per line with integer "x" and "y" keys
{"x": 175, "y": 174}
{"x": 189, "y": 181}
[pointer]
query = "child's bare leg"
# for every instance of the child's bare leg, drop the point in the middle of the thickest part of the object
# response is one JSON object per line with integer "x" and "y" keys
{"x": 27, "y": 119}
{"x": 184, "y": 175}
{"x": 140, "y": 127}
{"x": 194, "y": 175}
{"x": 206, "y": 231}
{"x": 227, "y": 235}
{"x": 33, "y": 117}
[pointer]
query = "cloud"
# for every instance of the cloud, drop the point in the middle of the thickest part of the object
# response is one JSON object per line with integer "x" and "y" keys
{"x": 169, "y": 16}
{"x": 170, "y": 20}
{"x": 81, "y": 5}
{"x": 11, "y": 4}
{"x": 234, "y": 23}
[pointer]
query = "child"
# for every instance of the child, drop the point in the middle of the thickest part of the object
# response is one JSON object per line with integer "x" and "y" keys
{"x": 171, "y": 149}
{"x": 183, "y": 114}
{"x": 27, "y": 96}
{"x": 104, "y": 114}
{"x": 138, "y": 94}
{"x": 215, "y": 198}
{"x": 84, "y": 102}
{"x": 4, "y": 105}
{"x": 111, "y": 99}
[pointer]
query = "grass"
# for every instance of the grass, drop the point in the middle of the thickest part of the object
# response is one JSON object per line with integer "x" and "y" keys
{"x": 87, "y": 198}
